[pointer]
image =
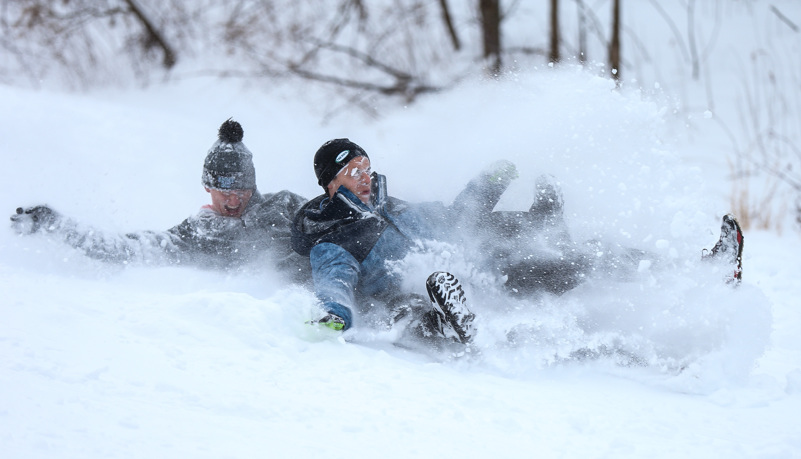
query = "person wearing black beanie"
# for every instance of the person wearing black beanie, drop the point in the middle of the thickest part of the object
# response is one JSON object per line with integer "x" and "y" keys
{"x": 352, "y": 230}
{"x": 332, "y": 156}
{"x": 355, "y": 235}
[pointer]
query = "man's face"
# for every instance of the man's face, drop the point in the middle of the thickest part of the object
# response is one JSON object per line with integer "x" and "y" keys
{"x": 355, "y": 176}
{"x": 229, "y": 203}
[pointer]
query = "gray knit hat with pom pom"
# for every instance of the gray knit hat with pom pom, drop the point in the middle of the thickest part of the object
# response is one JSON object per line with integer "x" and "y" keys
{"x": 229, "y": 163}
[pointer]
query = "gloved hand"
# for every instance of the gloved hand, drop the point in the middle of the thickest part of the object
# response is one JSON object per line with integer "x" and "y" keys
{"x": 33, "y": 219}
{"x": 378, "y": 194}
{"x": 501, "y": 171}
{"x": 332, "y": 321}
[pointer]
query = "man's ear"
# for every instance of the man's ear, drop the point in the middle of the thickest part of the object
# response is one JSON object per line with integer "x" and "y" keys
{"x": 207, "y": 189}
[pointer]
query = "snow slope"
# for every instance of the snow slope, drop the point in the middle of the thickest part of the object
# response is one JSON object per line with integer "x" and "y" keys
{"x": 105, "y": 361}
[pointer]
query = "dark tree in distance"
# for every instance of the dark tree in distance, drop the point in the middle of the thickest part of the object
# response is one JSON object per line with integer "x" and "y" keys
{"x": 490, "y": 12}
{"x": 81, "y": 36}
{"x": 582, "y": 31}
{"x": 553, "y": 55}
{"x": 614, "y": 43}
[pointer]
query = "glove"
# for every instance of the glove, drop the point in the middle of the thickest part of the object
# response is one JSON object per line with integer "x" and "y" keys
{"x": 501, "y": 171}
{"x": 33, "y": 219}
{"x": 378, "y": 195}
{"x": 332, "y": 321}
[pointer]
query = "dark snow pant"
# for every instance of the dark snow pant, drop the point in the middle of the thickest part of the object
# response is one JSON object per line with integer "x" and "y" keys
{"x": 532, "y": 249}
{"x": 536, "y": 254}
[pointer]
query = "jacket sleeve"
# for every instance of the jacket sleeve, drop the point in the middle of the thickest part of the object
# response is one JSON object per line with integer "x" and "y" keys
{"x": 336, "y": 274}
{"x": 483, "y": 192}
{"x": 158, "y": 247}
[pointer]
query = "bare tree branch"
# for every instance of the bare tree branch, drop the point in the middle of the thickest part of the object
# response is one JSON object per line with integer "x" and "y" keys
{"x": 691, "y": 39}
{"x": 404, "y": 84}
{"x": 365, "y": 58}
{"x": 154, "y": 36}
{"x": 446, "y": 17}
{"x": 784, "y": 18}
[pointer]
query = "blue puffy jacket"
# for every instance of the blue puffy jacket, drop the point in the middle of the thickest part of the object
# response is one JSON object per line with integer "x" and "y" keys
{"x": 349, "y": 243}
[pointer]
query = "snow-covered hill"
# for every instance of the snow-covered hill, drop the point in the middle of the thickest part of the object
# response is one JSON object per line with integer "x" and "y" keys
{"x": 107, "y": 361}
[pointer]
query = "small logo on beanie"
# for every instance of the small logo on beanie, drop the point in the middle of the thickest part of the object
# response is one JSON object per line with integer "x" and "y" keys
{"x": 226, "y": 182}
{"x": 342, "y": 156}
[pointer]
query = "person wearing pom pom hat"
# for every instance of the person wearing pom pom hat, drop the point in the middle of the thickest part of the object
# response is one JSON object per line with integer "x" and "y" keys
{"x": 228, "y": 172}
{"x": 240, "y": 225}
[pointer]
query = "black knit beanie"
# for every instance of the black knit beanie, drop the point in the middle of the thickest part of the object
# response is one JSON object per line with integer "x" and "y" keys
{"x": 332, "y": 157}
{"x": 229, "y": 163}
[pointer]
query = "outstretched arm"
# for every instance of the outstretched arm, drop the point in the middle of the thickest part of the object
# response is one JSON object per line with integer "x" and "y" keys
{"x": 145, "y": 246}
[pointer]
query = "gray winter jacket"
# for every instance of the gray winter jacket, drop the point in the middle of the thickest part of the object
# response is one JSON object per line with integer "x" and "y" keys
{"x": 208, "y": 239}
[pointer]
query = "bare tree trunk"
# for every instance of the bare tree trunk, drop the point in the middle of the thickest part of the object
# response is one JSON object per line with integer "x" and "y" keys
{"x": 691, "y": 39}
{"x": 446, "y": 16}
{"x": 491, "y": 29}
{"x": 553, "y": 56}
{"x": 614, "y": 44}
{"x": 582, "y": 31}
{"x": 154, "y": 37}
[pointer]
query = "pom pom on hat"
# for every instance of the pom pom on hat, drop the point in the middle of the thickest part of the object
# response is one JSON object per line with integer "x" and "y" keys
{"x": 231, "y": 132}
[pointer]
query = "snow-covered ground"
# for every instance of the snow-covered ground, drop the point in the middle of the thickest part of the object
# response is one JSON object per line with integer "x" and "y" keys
{"x": 105, "y": 361}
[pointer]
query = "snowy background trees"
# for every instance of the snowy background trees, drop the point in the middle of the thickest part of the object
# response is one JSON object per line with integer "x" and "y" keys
{"x": 733, "y": 61}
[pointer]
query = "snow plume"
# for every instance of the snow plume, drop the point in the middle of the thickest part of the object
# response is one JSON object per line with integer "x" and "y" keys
{"x": 625, "y": 191}
{"x": 676, "y": 317}
{"x": 429, "y": 256}
{"x": 610, "y": 150}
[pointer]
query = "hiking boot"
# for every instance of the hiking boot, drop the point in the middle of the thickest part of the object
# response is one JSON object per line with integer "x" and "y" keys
{"x": 729, "y": 248}
{"x": 451, "y": 316}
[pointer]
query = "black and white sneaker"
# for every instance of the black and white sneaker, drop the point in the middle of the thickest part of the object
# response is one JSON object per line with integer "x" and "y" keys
{"x": 729, "y": 248}
{"x": 454, "y": 319}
